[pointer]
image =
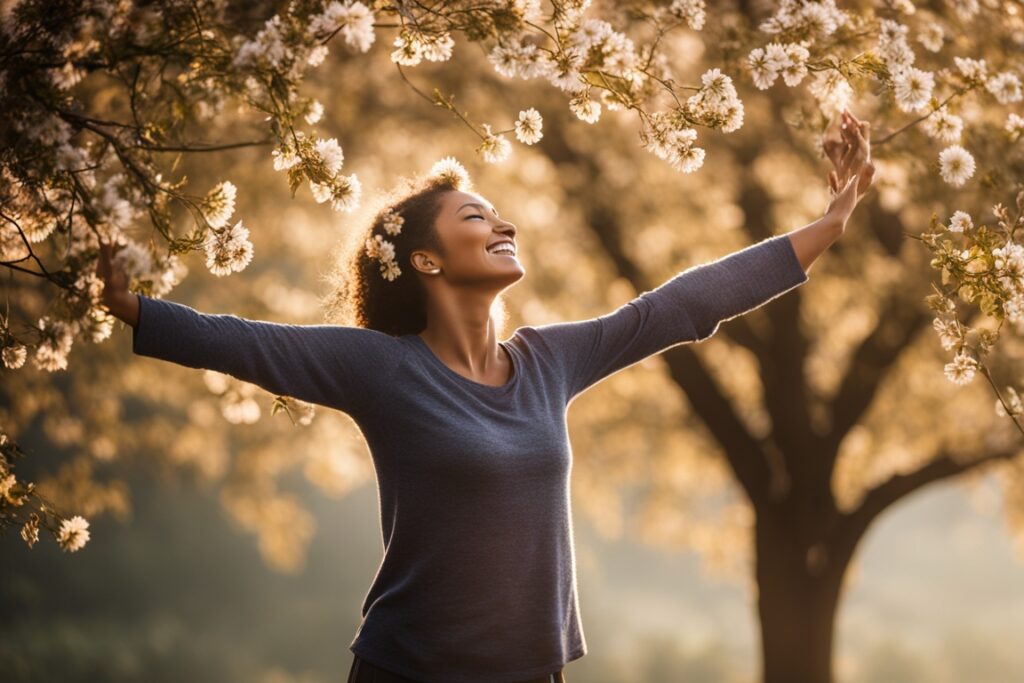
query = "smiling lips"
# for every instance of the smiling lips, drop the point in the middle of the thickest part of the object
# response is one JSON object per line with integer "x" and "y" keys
{"x": 504, "y": 248}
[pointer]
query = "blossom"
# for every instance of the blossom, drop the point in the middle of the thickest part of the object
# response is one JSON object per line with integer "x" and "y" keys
{"x": 316, "y": 111}
{"x": 960, "y": 221}
{"x": 585, "y": 108}
{"x": 956, "y": 165}
{"x": 1014, "y": 126}
{"x": 693, "y": 11}
{"x": 354, "y": 19}
{"x": 892, "y": 45}
{"x": 528, "y": 127}
{"x": 515, "y": 59}
{"x": 494, "y": 148}
{"x": 762, "y": 69}
{"x": 1005, "y": 87}
{"x": 409, "y": 50}
{"x": 795, "y": 68}
{"x": 716, "y": 103}
{"x": 346, "y": 192}
{"x": 1013, "y": 401}
{"x": 331, "y": 155}
{"x": 317, "y": 55}
{"x": 971, "y": 69}
{"x": 944, "y": 126}
{"x": 832, "y": 91}
{"x": 229, "y": 250}
{"x": 392, "y": 222}
{"x": 931, "y": 37}
{"x": 284, "y": 159}
{"x": 674, "y": 143}
{"x": 219, "y": 204}
{"x": 913, "y": 88}
{"x": 438, "y": 48}
{"x": 947, "y": 331}
{"x": 961, "y": 370}
{"x": 449, "y": 170}
{"x": 55, "y": 340}
{"x": 73, "y": 534}
{"x": 384, "y": 251}
{"x": 14, "y": 356}
{"x": 30, "y": 531}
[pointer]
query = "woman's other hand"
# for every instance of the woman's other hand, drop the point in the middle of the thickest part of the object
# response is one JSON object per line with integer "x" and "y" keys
{"x": 850, "y": 153}
{"x": 116, "y": 297}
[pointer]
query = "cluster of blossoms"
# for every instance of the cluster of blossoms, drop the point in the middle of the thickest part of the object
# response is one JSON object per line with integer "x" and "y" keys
{"x": 379, "y": 248}
{"x": 988, "y": 272}
{"x": 321, "y": 161}
{"x": 71, "y": 535}
{"x": 228, "y": 250}
{"x": 913, "y": 89}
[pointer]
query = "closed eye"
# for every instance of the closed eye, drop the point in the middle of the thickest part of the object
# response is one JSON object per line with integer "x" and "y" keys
{"x": 475, "y": 215}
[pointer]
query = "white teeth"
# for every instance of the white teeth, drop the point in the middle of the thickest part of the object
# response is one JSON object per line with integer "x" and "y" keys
{"x": 503, "y": 249}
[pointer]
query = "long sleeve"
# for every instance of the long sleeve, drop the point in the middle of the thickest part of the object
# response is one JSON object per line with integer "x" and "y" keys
{"x": 688, "y": 307}
{"x": 333, "y": 365}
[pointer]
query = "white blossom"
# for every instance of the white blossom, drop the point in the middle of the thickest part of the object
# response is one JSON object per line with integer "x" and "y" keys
{"x": 692, "y": 11}
{"x": 449, "y": 170}
{"x": 960, "y": 221}
{"x": 585, "y": 108}
{"x": 931, "y": 36}
{"x": 494, "y": 148}
{"x": 73, "y": 534}
{"x": 913, "y": 88}
{"x": 1005, "y": 87}
{"x": 947, "y": 331}
{"x": 355, "y": 20}
{"x": 346, "y": 192}
{"x": 961, "y": 370}
{"x": 14, "y": 356}
{"x": 219, "y": 204}
{"x": 528, "y": 127}
{"x": 944, "y": 126}
{"x": 1013, "y": 403}
{"x": 330, "y": 153}
{"x": 315, "y": 113}
{"x": 1014, "y": 126}
{"x": 832, "y": 91}
{"x": 971, "y": 69}
{"x": 956, "y": 165}
{"x": 228, "y": 250}
{"x": 55, "y": 339}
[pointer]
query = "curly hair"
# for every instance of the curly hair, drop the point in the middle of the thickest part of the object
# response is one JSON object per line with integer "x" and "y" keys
{"x": 360, "y": 295}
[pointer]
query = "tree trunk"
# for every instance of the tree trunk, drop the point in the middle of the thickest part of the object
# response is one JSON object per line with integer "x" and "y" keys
{"x": 798, "y": 593}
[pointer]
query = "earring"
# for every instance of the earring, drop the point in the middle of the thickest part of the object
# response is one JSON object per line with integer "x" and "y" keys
{"x": 436, "y": 270}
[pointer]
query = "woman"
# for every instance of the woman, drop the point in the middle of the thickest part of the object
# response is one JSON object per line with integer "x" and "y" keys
{"x": 468, "y": 432}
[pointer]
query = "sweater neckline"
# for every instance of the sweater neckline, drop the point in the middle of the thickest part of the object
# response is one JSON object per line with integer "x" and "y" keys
{"x": 497, "y": 389}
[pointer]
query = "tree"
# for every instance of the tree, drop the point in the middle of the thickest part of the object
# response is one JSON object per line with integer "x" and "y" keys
{"x": 797, "y": 455}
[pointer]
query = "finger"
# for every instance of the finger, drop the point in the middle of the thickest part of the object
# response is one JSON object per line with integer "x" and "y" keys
{"x": 833, "y": 181}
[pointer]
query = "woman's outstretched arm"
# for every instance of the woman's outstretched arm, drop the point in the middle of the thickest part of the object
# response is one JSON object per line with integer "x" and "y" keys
{"x": 688, "y": 307}
{"x": 333, "y": 365}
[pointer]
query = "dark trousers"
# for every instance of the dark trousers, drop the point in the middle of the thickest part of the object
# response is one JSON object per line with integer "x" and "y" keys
{"x": 364, "y": 672}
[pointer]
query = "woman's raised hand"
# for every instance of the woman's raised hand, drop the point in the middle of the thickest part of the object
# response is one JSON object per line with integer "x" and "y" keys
{"x": 850, "y": 154}
{"x": 116, "y": 297}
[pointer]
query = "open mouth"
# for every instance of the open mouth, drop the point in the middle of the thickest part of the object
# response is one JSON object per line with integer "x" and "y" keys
{"x": 504, "y": 249}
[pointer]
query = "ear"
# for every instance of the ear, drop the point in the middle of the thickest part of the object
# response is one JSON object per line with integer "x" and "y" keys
{"x": 423, "y": 261}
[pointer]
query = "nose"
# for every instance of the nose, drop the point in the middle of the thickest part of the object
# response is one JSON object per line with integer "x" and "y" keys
{"x": 506, "y": 228}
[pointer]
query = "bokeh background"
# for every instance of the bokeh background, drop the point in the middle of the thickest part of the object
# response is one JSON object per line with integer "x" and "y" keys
{"x": 227, "y": 551}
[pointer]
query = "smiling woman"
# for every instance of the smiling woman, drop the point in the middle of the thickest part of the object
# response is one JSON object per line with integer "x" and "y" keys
{"x": 467, "y": 433}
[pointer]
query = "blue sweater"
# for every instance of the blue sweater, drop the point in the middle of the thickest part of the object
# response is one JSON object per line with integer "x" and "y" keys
{"x": 478, "y": 580}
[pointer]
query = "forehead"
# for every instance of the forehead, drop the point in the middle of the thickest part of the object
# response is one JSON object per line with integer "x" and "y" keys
{"x": 457, "y": 199}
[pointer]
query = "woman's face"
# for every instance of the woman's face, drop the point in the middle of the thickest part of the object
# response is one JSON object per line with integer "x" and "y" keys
{"x": 469, "y": 228}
